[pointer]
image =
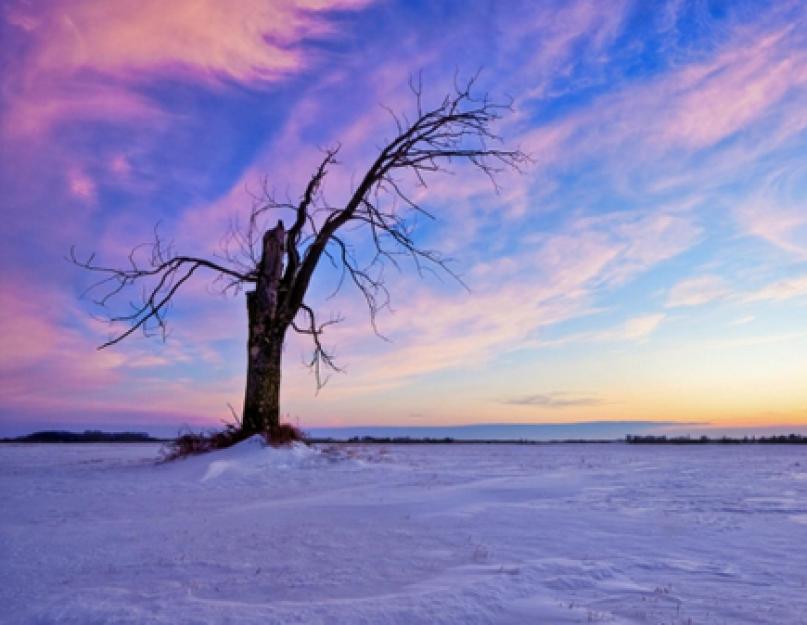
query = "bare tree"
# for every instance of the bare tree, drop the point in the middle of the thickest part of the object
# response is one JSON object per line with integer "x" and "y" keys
{"x": 280, "y": 262}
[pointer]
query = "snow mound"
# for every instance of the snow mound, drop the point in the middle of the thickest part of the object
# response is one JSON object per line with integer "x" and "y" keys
{"x": 253, "y": 456}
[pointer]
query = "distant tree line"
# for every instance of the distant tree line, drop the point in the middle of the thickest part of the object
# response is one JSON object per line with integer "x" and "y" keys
{"x": 87, "y": 436}
{"x": 789, "y": 439}
{"x": 447, "y": 440}
{"x": 97, "y": 436}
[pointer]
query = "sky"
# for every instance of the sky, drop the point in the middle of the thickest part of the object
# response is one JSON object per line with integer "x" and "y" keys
{"x": 649, "y": 264}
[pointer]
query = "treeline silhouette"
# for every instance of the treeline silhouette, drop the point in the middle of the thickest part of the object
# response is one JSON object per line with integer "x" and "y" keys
{"x": 446, "y": 440}
{"x": 97, "y": 436}
{"x": 789, "y": 439}
{"x": 87, "y": 436}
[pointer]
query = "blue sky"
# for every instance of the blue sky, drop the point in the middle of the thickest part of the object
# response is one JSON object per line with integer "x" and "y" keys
{"x": 650, "y": 263}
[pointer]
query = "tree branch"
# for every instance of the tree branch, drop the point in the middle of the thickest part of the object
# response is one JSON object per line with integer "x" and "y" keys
{"x": 459, "y": 128}
{"x": 163, "y": 273}
{"x": 320, "y": 356}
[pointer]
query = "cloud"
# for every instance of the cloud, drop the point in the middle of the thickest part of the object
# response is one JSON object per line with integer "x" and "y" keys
{"x": 35, "y": 340}
{"x": 706, "y": 289}
{"x": 50, "y": 364}
{"x": 34, "y": 111}
{"x": 83, "y": 58}
{"x": 609, "y": 250}
{"x": 633, "y": 329}
{"x": 244, "y": 41}
{"x": 554, "y": 400}
{"x": 556, "y": 41}
{"x": 787, "y": 288}
{"x": 81, "y": 185}
{"x": 697, "y": 291}
{"x": 637, "y": 328}
{"x": 754, "y": 81}
{"x": 713, "y": 100}
{"x": 777, "y": 220}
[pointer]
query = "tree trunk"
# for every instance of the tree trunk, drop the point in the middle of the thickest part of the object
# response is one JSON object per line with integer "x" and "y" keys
{"x": 267, "y": 331}
{"x": 264, "y": 354}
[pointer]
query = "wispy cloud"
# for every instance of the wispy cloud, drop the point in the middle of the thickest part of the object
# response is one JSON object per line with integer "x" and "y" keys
{"x": 777, "y": 215}
{"x": 716, "y": 99}
{"x": 634, "y": 329}
{"x": 697, "y": 291}
{"x": 554, "y": 400}
{"x": 707, "y": 289}
{"x": 787, "y": 288}
{"x": 50, "y": 364}
{"x": 751, "y": 87}
{"x": 85, "y": 59}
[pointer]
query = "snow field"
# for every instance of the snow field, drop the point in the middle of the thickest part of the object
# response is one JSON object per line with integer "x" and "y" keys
{"x": 465, "y": 534}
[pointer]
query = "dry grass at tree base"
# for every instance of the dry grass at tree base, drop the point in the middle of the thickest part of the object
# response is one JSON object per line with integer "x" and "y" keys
{"x": 192, "y": 443}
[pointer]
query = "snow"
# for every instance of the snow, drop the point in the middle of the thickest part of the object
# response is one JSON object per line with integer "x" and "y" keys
{"x": 548, "y": 534}
{"x": 249, "y": 459}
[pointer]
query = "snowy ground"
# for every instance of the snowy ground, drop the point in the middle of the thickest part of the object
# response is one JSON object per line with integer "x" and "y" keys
{"x": 404, "y": 534}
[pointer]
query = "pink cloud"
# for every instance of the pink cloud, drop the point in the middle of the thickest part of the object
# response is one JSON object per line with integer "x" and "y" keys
{"x": 26, "y": 336}
{"x": 37, "y": 344}
{"x": 50, "y": 365}
{"x": 788, "y": 288}
{"x": 724, "y": 95}
{"x": 639, "y": 240}
{"x": 746, "y": 82}
{"x": 557, "y": 38}
{"x": 633, "y": 329}
{"x": 702, "y": 104}
{"x": 638, "y": 328}
{"x": 245, "y": 41}
{"x": 34, "y": 110}
{"x": 781, "y": 225}
{"x": 709, "y": 288}
{"x": 75, "y": 41}
{"x": 120, "y": 166}
{"x": 697, "y": 291}
{"x": 80, "y": 185}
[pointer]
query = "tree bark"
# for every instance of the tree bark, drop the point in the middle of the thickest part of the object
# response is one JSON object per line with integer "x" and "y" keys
{"x": 267, "y": 331}
{"x": 264, "y": 357}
